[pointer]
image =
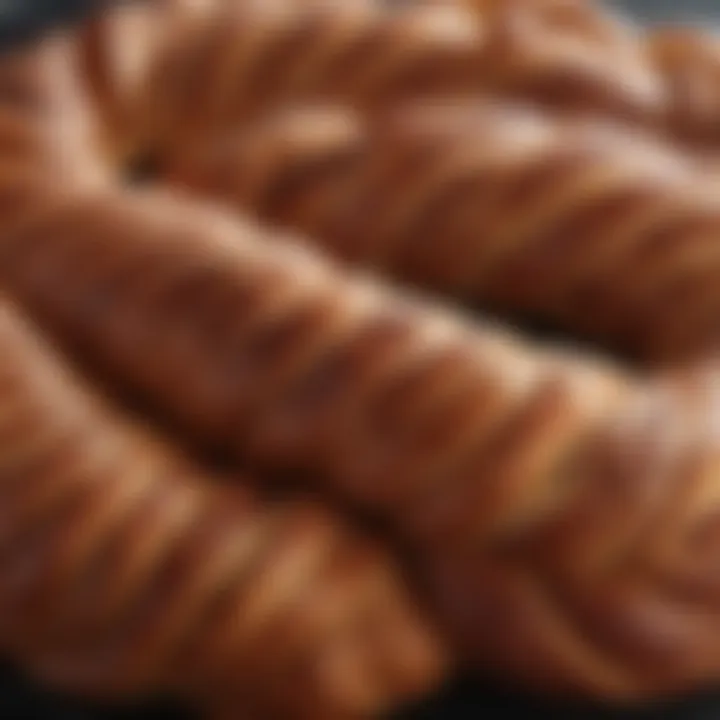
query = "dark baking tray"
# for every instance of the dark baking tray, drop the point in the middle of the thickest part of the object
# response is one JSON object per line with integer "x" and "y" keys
{"x": 21, "y": 20}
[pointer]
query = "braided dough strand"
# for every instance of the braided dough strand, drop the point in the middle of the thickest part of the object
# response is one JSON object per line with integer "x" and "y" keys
{"x": 47, "y": 125}
{"x": 127, "y": 570}
{"x": 196, "y": 73}
{"x": 616, "y": 240}
{"x": 195, "y": 69}
{"x": 679, "y": 65}
{"x": 257, "y": 340}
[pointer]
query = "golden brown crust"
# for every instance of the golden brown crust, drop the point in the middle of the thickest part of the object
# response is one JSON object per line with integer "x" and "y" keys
{"x": 551, "y": 504}
{"x": 678, "y": 65}
{"x": 615, "y": 239}
{"x": 126, "y": 569}
{"x": 471, "y": 446}
{"x": 614, "y": 585}
{"x": 688, "y": 60}
{"x": 561, "y": 512}
{"x": 129, "y": 570}
{"x": 484, "y": 456}
{"x": 240, "y": 332}
{"x": 208, "y": 69}
{"x": 197, "y": 68}
{"x": 47, "y": 123}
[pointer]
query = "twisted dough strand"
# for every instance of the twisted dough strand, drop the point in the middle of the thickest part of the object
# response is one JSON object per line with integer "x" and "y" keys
{"x": 127, "y": 570}
{"x": 198, "y": 72}
{"x": 680, "y": 64}
{"x": 263, "y": 343}
{"x": 562, "y": 493}
{"x": 47, "y": 127}
{"x": 196, "y": 69}
{"x": 617, "y": 238}
{"x": 689, "y": 63}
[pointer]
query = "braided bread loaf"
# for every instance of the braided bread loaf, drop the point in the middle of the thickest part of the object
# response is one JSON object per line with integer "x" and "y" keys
{"x": 617, "y": 237}
{"x": 567, "y": 498}
{"x": 527, "y": 484}
{"x": 126, "y": 569}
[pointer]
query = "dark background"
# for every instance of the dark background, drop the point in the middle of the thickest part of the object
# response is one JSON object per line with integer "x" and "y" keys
{"x": 694, "y": 11}
{"x": 20, "y": 700}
